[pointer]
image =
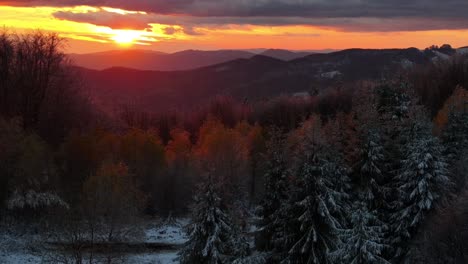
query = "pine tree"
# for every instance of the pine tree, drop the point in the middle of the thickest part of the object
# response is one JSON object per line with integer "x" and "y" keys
{"x": 275, "y": 189}
{"x": 214, "y": 239}
{"x": 316, "y": 210}
{"x": 364, "y": 242}
{"x": 419, "y": 184}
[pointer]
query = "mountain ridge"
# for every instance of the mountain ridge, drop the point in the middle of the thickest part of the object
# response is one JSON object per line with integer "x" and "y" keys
{"x": 254, "y": 78}
{"x": 177, "y": 61}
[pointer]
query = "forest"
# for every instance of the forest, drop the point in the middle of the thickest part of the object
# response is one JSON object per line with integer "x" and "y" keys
{"x": 372, "y": 171}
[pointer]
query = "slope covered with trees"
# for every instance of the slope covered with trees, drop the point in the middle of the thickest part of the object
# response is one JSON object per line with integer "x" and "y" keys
{"x": 368, "y": 174}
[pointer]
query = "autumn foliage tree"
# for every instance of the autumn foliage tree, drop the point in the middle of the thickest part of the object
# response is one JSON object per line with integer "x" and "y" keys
{"x": 456, "y": 103}
{"x": 81, "y": 155}
{"x": 180, "y": 180}
{"x": 143, "y": 152}
{"x": 111, "y": 202}
{"x": 435, "y": 82}
{"x": 222, "y": 152}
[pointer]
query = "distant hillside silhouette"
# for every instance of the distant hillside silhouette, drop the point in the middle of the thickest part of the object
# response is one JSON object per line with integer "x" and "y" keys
{"x": 179, "y": 61}
{"x": 250, "y": 79}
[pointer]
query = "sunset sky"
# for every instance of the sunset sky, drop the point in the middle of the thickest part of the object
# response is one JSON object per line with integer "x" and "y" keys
{"x": 173, "y": 25}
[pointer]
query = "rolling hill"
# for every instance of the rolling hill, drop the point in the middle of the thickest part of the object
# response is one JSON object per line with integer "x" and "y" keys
{"x": 179, "y": 61}
{"x": 158, "y": 61}
{"x": 250, "y": 79}
{"x": 285, "y": 55}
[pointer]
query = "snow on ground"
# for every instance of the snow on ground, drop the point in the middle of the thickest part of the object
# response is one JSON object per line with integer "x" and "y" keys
{"x": 173, "y": 234}
{"x": 440, "y": 56}
{"x": 462, "y": 51}
{"x": 406, "y": 64}
{"x": 18, "y": 249}
{"x": 330, "y": 75}
{"x": 18, "y": 258}
{"x": 24, "y": 249}
{"x": 168, "y": 257}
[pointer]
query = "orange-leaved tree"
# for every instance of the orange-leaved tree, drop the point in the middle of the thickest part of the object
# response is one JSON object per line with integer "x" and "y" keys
{"x": 111, "y": 202}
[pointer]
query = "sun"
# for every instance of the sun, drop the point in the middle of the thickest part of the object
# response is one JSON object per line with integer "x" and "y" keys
{"x": 126, "y": 37}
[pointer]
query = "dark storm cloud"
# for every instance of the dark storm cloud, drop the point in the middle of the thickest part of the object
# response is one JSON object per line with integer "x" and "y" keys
{"x": 361, "y": 15}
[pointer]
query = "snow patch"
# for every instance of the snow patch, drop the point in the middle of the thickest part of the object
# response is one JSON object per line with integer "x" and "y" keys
{"x": 462, "y": 51}
{"x": 440, "y": 56}
{"x": 168, "y": 257}
{"x": 33, "y": 199}
{"x": 26, "y": 248}
{"x": 19, "y": 258}
{"x": 330, "y": 75}
{"x": 167, "y": 234}
{"x": 406, "y": 64}
{"x": 18, "y": 249}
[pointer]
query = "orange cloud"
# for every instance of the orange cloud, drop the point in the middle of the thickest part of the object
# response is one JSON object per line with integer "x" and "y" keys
{"x": 99, "y": 28}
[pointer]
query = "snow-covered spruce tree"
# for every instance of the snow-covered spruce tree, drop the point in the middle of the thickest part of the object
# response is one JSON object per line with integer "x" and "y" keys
{"x": 315, "y": 213}
{"x": 275, "y": 190}
{"x": 394, "y": 107}
{"x": 370, "y": 171}
{"x": 394, "y": 100}
{"x": 364, "y": 242}
{"x": 320, "y": 210}
{"x": 420, "y": 183}
{"x": 261, "y": 258}
{"x": 214, "y": 239}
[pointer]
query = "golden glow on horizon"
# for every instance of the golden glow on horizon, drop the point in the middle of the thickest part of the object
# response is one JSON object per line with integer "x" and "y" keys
{"x": 87, "y": 36}
{"x": 126, "y": 37}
